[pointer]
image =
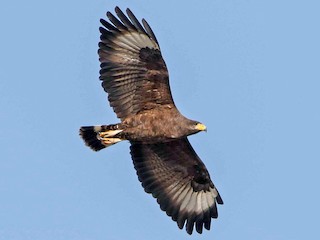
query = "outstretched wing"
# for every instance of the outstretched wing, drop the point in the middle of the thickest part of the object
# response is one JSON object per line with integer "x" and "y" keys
{"x": 174, "y": 174}
{"x": 133, "y": 72}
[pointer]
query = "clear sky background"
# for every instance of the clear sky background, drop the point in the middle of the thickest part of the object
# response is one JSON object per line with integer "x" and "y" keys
{"x": 249, "y": 70}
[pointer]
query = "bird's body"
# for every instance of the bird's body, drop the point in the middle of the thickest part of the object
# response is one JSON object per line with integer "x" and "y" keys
{"x": 154, "y": 125}
{"x": 136, "y": 78}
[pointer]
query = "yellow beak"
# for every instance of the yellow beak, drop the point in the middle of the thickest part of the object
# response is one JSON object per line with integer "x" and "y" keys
{"x": 201, "y": 127}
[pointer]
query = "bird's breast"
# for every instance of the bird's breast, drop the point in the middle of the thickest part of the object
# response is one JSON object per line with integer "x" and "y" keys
{"x": 154, "y": 125}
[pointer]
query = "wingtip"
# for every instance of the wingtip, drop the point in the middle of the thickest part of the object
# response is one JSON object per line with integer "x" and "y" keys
{"x": 118, "y": 10}
{"x": 128, "y": 11}
{"x": 219, "y": 199}
{"x": 109, "y": 14}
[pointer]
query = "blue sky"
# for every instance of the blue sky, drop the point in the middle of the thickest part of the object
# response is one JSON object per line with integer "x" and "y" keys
{"x": 249, "y": 70}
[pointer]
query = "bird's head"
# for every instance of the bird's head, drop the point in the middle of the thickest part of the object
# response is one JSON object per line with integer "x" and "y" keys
{"x": 195, "y": 127}
{"x": 191, "y": 127}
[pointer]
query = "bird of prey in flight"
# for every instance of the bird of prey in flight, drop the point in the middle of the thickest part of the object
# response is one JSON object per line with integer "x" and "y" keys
{"x": 135, "y": 77}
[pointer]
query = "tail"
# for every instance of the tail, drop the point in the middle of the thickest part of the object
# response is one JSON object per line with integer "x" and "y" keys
{"x": 99, "y": 137}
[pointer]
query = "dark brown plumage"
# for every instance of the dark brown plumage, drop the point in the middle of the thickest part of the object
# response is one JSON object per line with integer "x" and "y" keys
{"x": 135, "y": 76}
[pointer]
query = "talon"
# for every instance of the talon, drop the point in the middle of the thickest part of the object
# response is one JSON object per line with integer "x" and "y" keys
{"x": 109, "y": 133}
{"x": 102, "y": 134}
{"x": 109, "y": 141}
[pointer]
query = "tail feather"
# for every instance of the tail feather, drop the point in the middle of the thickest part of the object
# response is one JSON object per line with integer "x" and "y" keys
{"x": 99, "y": 137}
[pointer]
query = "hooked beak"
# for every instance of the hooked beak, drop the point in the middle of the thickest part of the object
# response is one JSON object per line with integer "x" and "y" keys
{"x": 201, "y": 127}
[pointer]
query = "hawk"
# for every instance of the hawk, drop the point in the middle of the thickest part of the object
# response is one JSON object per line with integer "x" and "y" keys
{"x": 135, "y": 77}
